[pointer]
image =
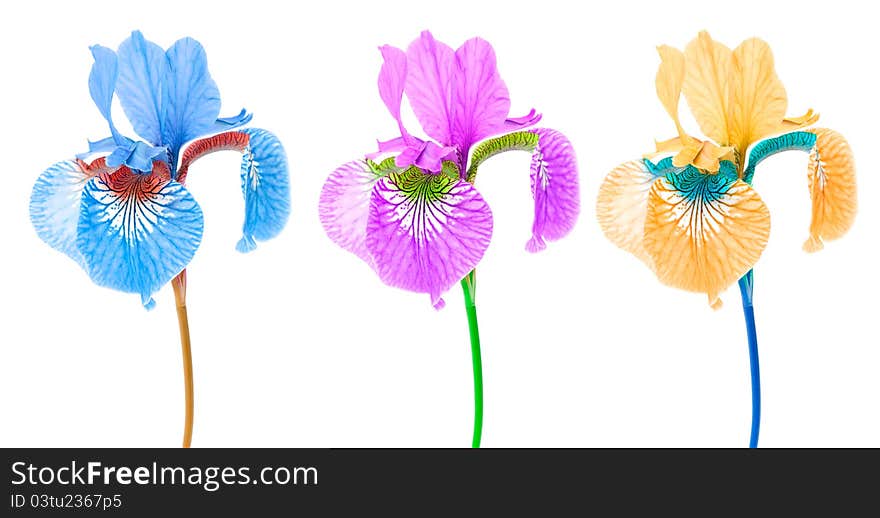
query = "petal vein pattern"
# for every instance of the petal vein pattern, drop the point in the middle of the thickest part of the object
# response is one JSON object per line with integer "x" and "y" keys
{"x": 426, "y": 232}
{"x": 136, "y": 232}
{"x": 703, "y": 232}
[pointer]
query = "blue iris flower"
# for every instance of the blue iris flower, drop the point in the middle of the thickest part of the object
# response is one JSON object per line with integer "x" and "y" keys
{"x": 125, "y": 216}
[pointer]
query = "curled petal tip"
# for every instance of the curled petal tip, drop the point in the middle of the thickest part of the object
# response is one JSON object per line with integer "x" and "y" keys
{"x": 715, "y": 304}
{"x": 438, "y": 302}
{"x": 535, "y": 244}
{"x": 813, "y": 244}
{"x": 246, "y": 244}
{"x": 149, "y": 303}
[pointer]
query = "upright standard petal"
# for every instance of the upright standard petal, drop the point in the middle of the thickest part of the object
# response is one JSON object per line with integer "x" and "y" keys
{"x": 143, "y": 68}
{"x": 55, "y": 206}
{"x": 190, "y": 97}
{"x": 832, "y": 177}
{"x": 430, "y": 70}
{"x": 425, "y": 232}
{"x": 137, "y": 231}
{"x": 344, "y": 206}
{"x": 102, "y": 84}
{"x": 757, "y": 98}
{"x": 554, "y": 180}
{"x": 706, "y": 88}
{"x": 670, "y": 77}
{"x": 265, "y": 181}
{"x": 392, "y": 80}
{"x": 622, "y": 206}
{"x": 703, "y": 232}
{"x": 479, "y": 96}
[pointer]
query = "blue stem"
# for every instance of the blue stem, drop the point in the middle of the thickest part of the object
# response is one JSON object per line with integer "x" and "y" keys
{"x": 746, "y": 285}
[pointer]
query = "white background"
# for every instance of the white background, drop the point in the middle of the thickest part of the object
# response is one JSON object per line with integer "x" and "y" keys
{"x": 299, "y": 344}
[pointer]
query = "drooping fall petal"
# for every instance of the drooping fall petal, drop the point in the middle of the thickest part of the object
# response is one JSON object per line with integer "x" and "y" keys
{"x": 757, "y": 98}
{"x": 554, "y": 182}
{"x": 832, "y": 179}
{"x": 137, "y": 231}
{"x": 55, "y": 205}
{"x": 703, "y": 232}
{"x": 706, "y": 88}
{"x": 265, "y": 182}
{"x": 622, "y": 207}
{"x": 344, "y": 206}
{"x": 425, "y": 232}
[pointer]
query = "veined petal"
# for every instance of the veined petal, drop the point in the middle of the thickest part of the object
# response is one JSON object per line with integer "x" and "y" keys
{"x": 832, "y": 177}
{"x": 554, "y": 180}
{"x": 670, "y": 77}
{"x": 757, "y": 98}
{"x": 190, "y": 97}
{"x": 344, "y": 206}
{"x": 102, "y": 83}
{"x": 265, "y": 182}
{"x": 430, "y": 69}
{"x": 426, "y": 232}
{"x": 622, "y": 206}
{"x": 706, "y": 85}
{"x": 137, "y": 231}
{"x": 703, "y": 232}
{"x": 55, "y": 205}
{"x": 480, "y": 98}
{"x": 392, "y": 79}
{"x": 143, "y": 68}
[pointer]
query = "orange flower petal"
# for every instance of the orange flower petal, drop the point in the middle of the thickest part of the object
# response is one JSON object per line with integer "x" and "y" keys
{"x": 832, "y": 177}
{"x": 703, "y": 232}
{"x": 670, "y": 76}
{"x": 707, "y": 72}
{"x": 622, "y": 206}
{"x": 757, "y": 98}
{"x": 790, "y": 124}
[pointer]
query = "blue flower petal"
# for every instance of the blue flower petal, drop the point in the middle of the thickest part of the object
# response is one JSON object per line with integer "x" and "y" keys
{"x": 55, "y": 206}
{"x": 228, "y": 123}
{"x": 102, "y": 84}
{"x": 137, "y": 155}
{"x": 101, "y": 146}
{"x": 143, "y": 68}
{"x": 136, "y": 232}
{"x": 190, "y": 96}
{"x": 266, "y": 188}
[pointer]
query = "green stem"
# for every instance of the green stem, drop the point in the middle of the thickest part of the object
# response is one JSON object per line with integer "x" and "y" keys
{"x": 469, "y": 287}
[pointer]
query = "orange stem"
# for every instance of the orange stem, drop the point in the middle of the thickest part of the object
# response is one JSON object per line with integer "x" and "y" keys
{"x": 179, "y": 284}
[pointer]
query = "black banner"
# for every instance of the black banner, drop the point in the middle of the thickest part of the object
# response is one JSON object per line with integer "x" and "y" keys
{"x": 321, "y": 482}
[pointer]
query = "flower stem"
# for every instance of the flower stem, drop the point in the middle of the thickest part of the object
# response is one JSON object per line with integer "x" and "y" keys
{"x": 746, "y": 285}
{"x": 179, "y": 284}
{"x": 469, "y": 286}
